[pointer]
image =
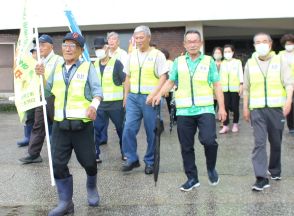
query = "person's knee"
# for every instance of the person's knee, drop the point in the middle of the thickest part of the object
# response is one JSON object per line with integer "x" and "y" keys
{"x": 61, "y": 171}
{"x": 91, "y": 170}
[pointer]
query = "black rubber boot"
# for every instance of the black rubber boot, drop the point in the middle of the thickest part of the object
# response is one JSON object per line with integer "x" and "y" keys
{"x": 93, "y": 196}
{"x": 65, "y": 191}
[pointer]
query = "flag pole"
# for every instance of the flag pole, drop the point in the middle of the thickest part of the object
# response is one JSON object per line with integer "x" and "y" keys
{"x": 44, "y": 111}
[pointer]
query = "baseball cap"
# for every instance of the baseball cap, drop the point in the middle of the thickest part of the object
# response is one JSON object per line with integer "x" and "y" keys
{"x": 45, "y": 39}
{"x": 99, "y": 42}
{"x": 75, "y": 37}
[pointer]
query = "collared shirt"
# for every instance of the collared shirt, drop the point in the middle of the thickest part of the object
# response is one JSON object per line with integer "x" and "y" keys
{"x": 123, "y": 57}
{"x": 92, "y": 88}
{"x": 213, "y": 76}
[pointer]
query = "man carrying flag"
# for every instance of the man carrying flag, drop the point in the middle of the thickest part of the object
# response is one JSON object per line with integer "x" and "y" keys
{"x": 49, "y": 60}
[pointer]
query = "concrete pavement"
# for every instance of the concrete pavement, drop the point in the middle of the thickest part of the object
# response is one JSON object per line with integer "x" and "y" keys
{"x": 26, "y": 189}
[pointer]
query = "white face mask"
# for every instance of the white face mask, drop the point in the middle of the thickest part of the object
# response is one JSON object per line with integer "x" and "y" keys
{"x": 289, "y": 47}
{"x": 228, "y": 56}
{"x": 262, "y": 49}
{"x": 100, "y": 53}
{"x": 217, "y": 56}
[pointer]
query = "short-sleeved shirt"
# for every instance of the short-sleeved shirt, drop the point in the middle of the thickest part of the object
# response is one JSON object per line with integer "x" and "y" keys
{"x": 160, "y": 62}
{"x": 213, "y": 77}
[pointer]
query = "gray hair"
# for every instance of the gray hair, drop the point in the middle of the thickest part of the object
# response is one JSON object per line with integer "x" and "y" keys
{"x": 144, "y": 29}
{"x": 262, "y": 33}
{"x": 111, "y": 34}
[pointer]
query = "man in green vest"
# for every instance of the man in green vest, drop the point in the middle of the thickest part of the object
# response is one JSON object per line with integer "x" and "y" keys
{"x": 146, "y": 73}
{"x": 50, "y": 60}
{"x": 268, "y": 88}
{"x": 110, "y": 72}
{"x": 197, "y": 76}
{"x": 78, "y": 93}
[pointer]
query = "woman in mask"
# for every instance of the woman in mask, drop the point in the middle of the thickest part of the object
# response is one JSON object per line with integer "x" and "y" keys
{"x": 217, "y": 54}
{"x": 231, "y": 73}
{"x": 287, "y": 55}
{"x": 110, "y": 73}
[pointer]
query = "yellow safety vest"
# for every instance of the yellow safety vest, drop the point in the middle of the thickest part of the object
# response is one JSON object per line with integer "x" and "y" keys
{"x": 111, "y": 92}
{"x": 193, "y": 90}
{"x": 229, "y": 75}
{"x": 143, "y": 79}
{"x": 266, "y": 91}
{"x": 50, "y": 65}
{"x": 70, "y": 102}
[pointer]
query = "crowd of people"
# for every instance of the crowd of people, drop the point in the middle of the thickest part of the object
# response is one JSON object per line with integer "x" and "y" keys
{"x": 81, "y": 97}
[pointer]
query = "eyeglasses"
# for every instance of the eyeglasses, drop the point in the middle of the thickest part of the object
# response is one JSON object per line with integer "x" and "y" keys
{"x": 69, "y": 45}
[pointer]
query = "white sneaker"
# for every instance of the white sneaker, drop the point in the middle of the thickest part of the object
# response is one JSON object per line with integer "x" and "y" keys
{"x": 235, "y": 128}
{"x": 224, "y": 130}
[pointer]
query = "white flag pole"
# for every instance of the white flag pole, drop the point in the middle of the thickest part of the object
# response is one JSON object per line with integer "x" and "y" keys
{"x": 44, "y": 111}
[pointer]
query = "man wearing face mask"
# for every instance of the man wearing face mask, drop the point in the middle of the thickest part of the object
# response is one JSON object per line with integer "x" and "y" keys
{"x": 268, "y": 88}
{"x": 231, "y": 73}
{"x": 110, "y": 72}
{"x": 287, "y": 41}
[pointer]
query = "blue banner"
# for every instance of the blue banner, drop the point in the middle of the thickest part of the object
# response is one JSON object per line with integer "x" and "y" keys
{"x": 75, "y": 28}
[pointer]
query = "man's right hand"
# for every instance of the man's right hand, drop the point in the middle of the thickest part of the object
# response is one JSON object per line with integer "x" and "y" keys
{"x": 40, "y": 69}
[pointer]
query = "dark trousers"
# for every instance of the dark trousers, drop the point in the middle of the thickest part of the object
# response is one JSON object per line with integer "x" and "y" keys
{"x": 232, "y": 100}
{"x": 30, "y": 117}
{"x": 267, "y": 122}
{"x": 82, "y": 142}
{"x": 102, "y": 119}
{"x": 38, "y": 132}
{"x": 290, "y": 117}
{"x": 187, "y": 128}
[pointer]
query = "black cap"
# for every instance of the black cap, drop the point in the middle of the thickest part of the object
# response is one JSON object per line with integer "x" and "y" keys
{"x": 75, "y": 37}
{"x": 99, "y": 42}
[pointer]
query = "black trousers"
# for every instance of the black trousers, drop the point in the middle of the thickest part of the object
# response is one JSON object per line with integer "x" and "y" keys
{"x": 187, "y": 128}
{"x": 38, "y": 132}
{"x": 82, "y": 142}
{"x": 232, "y": 100}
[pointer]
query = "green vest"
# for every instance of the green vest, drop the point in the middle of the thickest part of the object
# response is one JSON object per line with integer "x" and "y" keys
{"x": 143, "y": 80}
{"x": 111, "y": 92}
{"x": 266, "y": 91}
{"x": 193, "y": 90}
{"x": 229, "y": 74}
{"x": 70, "y": 102}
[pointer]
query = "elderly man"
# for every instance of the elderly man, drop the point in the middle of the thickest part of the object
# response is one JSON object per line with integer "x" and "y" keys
{"x": 114, "y": 50}
{"x": 74, "y": 84}
{"x": 146, "y": 73}
{"x": 110, "y": 72}
{"x": 50, "y": 60}
{"x": 268, "y": 88}
{"x": 197, "y": 77}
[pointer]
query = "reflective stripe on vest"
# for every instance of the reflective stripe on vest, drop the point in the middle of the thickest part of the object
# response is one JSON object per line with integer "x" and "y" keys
{"x": 143, "y": 81}
{"x": 229, "y": 74}
{"x": 266, "y": 91}
{"x": 193, "y": 90}
{"x": 70, "y": 102}
{"x": 111, "y": 92}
